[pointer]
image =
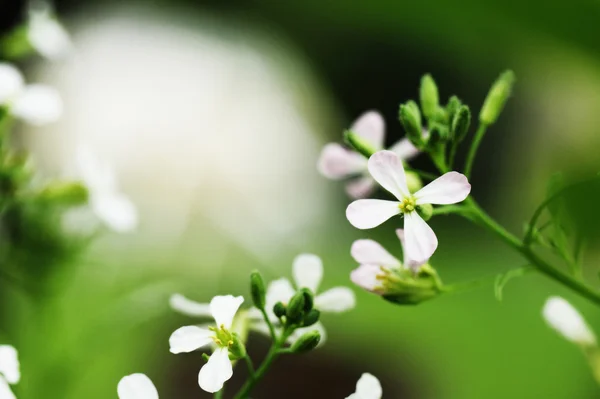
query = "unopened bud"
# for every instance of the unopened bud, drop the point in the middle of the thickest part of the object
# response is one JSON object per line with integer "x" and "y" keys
{"x": 309, "y": 300}
{"x": 279, "y": 310}
{"x": 237, "y": 348}
{"x": 429, "y": 96}
{"x": 496, "y": 98}
{"x": 461, "y": 123}
{"x": 359, "y": 145}
{"x": 410, "y": 287}
{"x": 65, "y": 193}
{"x": 257, "y": 290}
{"x": 413, "y": 181}
{"x": 410, "y": 117}
{"x": 438, "y": 134}
{"x": 295, "y": 309}
{"x": 425, "y": 211}
{"x": 306, "y": 342}
{"x": 453, "y": 104}
{"x": 311, "y": 318}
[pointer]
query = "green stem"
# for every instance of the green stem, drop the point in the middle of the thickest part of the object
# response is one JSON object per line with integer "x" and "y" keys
{"x": 219, "y": 394}
{"x": 473, "y": 149}
{"x": 269, "y": 324}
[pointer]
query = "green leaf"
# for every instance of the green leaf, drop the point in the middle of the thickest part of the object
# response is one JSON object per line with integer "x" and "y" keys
{"x": 503, "y": 278}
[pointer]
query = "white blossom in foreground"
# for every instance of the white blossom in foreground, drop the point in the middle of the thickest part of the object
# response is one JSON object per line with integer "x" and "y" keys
{"x": 45, "y": 34}
{"x": 9, "y": 371}
{"x": 111, "y": 206}
{"x": 35, "y": 104}
{"x": 307, "y": 270}
{"x": 387, "y": 169}
{"x": 218, "y": 369}
{"x": 568, "y": 322}
{"x": 367, "y": 387}
{"x": 136, "y": 386}
{"x": 337, "y": 162}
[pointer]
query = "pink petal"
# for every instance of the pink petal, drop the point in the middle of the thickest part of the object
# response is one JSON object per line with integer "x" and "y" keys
{"x": 337, "y": 162}
{"x": 405, "y": 149}
{"x": 449, "y": 188}
{"x": 369, "y": 213}
{"x": 421, "y": 241}
{"x": 408, "y": 261}
{"x": 365, "y": 276}
{"x": 360, "y": 187}
{"x": 372, "y": 253}
{"x": 371, "y": 127}
{"x": 386, "y": 168}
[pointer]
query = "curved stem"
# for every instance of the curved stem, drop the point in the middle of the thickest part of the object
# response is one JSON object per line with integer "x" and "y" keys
{"x": 473, "y": 149}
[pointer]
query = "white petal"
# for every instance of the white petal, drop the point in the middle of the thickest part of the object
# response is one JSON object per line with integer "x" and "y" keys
{"x": 301, "y": 331}
{"x": 307, "y": 271}
{"x": 216, "y": 371}
{"x": 224, "y": 307}
{"x": 5, "y": 391}
{"x": 116, "y": 211}
{"x": 421, "y": 241}
{"x": 38, "y": 105}
{"x": 189, "y": 338}
{"x": 11, "y": 83}
{"x": 371, "y": 252}
{"x": 407, "y": 259}
{"x": 48, "y": 36}
{"x": 368, "y": 387}
{"x": 449, "y": 188}
{"x": 188, "y": 307}
{"x": 136, "y": 386}
{"x": 336, "y": 300}
{"x": 337, "y": 162}
{"x": 405, "y": 149}
{"x": 369, "y": 213}
{"x": 565, "y": 319}
{"x": 360, "y": 187}
{"x": 99, "y": 176}
{"x": 365, "y": 276}
{"x": 371, "y": 127}
{"x": 9, "y": 364}
{"x": 387, "y": 169}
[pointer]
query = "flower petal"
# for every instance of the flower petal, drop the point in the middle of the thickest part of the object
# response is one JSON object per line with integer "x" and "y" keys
{"x": 368, "y": 387}
{"x": 136, "y": 386}
{"x": 405, "y": 149}
{"x": 365, "y": 276}
{"x": 449, "y": 188}
{"x": 9, "y": 364}
{"x": 307, "y": 271}
{"x": 224, "y": 307}
{"x": 370, "y": 126}
{"x": 421, "y": 241}
{"x": 216, "y": 371}
{"x": 47, "y": 36}
{"x": 369, "y": 213}
{"x": 337, "y": 162}
{"x": 336, "y": 300}
{"x": 407, "y": 259}
{"x": 5, "y": 391}
{"x": 360, "y": 187}
{"x": 387, "y": 169}
{"x": 116, "y": 211}
{"x": 38, "y": 105}
{"x": 186, "y": 306}
{"x": 11, "y": 83}
{"x": 567, "y": 321}
{"x": 372, "y": 253}
{"x": 189, "y": 338}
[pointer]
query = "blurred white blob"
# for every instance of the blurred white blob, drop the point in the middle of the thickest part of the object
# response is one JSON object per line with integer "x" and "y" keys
{"x": 367, "y": 387}
{"x": 201, "y": 126}
{"x": 9, "y": 371}
{"x": 136, "y": 386}
{"x": 46, "y": 35}
{"x": 566, "y": 320}
{"x": 11, "y": 82}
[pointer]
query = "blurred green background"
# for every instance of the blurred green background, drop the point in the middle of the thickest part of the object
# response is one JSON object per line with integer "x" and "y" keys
{"x": 107, "y": 315}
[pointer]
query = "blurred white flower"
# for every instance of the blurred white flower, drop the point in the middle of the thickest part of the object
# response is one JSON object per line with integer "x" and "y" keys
{"x": 111, "y": 206}
{"x": 387, "y": 169}
{"x": 218, "y": 369}
{"x": 46, "y": 35}
{"x": 136, "y": 386}
{"x": 367, "y": 387}
{"x": 35, "y": 104}
{"x": 567, "y": 321}
{"x": 9, "y": 371}
{"x": 339, "y": 162}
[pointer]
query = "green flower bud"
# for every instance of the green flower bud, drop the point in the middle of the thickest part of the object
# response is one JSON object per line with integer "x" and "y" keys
{"x": 65, "y": 193}
{"x": 413, "y": 181}
{"x": 306, "y": 342}
{"x": 237, "y": 349}
{"x": 429, "y": 96}
{"x": 311, "y": 317}
{"x": 309, "y": 300}
{"x": 438, "y": 134}
{"x": 496, "y": 98}
{"x": 257, "y": 290}
{"x": 406, "y": 287}
{"x": 295, "y": 309}
{"x": 358, "y": 144}
{"x": 425, "y": 211}
{"x": 461, "y": 123}
{"x": 279, "y": 310}
{"x": 453, "y": 104}
{"x": 410, "y": 117}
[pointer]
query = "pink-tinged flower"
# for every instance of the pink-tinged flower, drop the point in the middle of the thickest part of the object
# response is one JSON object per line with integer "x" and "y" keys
{"x": 367, "y": 387}
{"x": 387, "y": 169}
{"x": 338, "y": 162}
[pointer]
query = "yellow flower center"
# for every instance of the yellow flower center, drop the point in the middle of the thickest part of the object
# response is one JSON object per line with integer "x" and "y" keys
{"x": 408, "y": 204}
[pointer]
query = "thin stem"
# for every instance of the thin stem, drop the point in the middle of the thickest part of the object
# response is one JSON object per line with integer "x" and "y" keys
{"x": 219, "y": 394}
{"x": 269, "y": 324}
{"x": 250, "y": 365}
{"x": 473, "y": 149}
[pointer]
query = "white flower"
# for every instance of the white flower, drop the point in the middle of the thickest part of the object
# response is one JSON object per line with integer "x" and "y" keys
{"x": 218, "y": 369}
{"x": 35, "y": 104}
{"x": 106, "y": 201}
{"x": 338, "y": 162}
{"x": 566, "y": 320}
{"x": 136, "y": 386}
{"x": 367, "y": 387}
{"x": 9, "y": 371}
{"x": 420, "y": 240}
{"x": 45, "y": 34}
{"x": 307, "y": 270}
